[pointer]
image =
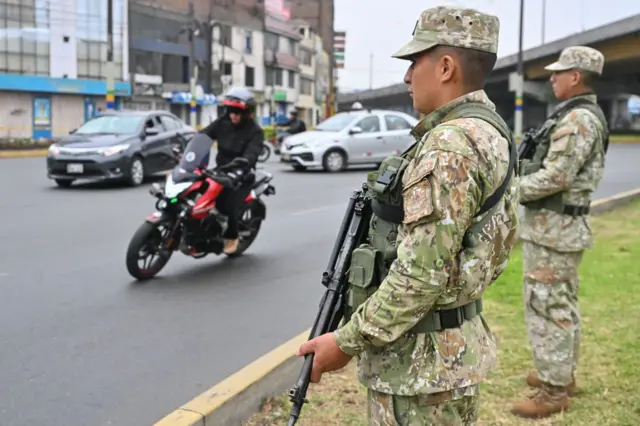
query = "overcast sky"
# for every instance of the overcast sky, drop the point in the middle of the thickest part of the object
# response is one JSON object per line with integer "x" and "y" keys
{"x": 380, "y": 27}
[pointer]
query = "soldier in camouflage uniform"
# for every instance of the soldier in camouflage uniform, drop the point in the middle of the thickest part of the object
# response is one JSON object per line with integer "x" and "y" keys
{"x": 422, "y": 346}
{"x": 556, "y": 189}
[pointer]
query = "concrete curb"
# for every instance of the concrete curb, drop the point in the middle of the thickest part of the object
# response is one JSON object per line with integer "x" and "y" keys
{"x": 237, "y": 398}
{"x": 26, "y": 153}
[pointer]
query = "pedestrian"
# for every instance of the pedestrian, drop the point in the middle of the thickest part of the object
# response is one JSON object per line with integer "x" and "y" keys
{"x": 444, "y": 223}
{"x": 555, "y": 188}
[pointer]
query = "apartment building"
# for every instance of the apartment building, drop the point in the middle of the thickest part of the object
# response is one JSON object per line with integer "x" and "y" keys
{"x": 231, "y": 43}
{"x": 238, "y": 58}
{"x": 282, "y": 68}
{"x": 306, "y": 105}
{"x": 53, "y": 65}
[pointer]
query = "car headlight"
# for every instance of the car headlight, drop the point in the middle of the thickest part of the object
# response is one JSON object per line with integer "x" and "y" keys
{"x": 53, "y": 149}
{"x": 116, "y": 149}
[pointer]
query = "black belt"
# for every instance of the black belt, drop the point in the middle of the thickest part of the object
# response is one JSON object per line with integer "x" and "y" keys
{"x": 448, "y": 318}
{"x": 576, "y": 210}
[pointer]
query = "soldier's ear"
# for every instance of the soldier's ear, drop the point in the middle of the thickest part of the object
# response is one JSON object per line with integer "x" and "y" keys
{"x": 446, "y": 68}
{"x": 576, "y": 77}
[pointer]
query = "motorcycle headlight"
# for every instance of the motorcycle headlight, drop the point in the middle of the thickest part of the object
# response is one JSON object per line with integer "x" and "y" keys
{"x": 113, "y": 150}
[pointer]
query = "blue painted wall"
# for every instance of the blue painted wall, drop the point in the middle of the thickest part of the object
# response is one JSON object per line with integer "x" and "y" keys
{"x": 30, "y": 83}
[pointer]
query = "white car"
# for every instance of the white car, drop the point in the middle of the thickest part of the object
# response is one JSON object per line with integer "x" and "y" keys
{"x": 347, "y": 138}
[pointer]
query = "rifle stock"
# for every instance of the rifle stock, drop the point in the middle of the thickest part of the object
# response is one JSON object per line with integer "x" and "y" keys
{"x": 331, "y": 312}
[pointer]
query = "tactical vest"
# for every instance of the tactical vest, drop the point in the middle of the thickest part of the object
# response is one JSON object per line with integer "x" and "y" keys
{"x": 370, "y": 261}
{"x": 542, "y": 138}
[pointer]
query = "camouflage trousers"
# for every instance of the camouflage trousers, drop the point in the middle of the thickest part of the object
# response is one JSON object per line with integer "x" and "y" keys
{"x": 551, "y": 311}
{"x": 455, "y": 408}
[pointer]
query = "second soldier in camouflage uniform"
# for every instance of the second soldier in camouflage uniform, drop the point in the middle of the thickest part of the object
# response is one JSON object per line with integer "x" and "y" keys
{"x": 419, "y": 370}
{"x": 556, "y": 189}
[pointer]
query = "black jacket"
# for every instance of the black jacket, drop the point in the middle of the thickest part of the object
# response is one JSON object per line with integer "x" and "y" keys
{"x": 245, "y": 140}
{"x": 296, "y": 126}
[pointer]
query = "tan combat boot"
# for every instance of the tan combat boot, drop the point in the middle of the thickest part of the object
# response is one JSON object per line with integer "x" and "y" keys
{"x": 534, "y": 381}
{"x": 547, "y": 401}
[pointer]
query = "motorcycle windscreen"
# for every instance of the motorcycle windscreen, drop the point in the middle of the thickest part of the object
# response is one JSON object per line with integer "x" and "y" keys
{"x": 196, "y": 156}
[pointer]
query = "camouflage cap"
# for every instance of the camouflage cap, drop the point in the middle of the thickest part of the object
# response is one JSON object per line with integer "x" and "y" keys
{"x": 578, "y": 57}
{"x": 452, "y": 26}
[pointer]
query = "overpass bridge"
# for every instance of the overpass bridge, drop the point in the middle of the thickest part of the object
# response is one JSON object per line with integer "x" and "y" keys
{"x": 618, "y": 41}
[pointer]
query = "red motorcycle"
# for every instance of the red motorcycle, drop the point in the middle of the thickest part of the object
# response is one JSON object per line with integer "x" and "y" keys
{"x": 187, "y": 219}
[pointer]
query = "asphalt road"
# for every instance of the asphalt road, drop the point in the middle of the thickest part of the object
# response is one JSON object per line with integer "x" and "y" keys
{"x": 82, "y": 344}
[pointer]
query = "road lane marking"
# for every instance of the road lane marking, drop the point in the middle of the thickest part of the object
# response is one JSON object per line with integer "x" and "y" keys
{"x": 317, "y": 209}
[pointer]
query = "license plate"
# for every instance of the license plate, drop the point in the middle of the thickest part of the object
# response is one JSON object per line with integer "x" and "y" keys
{"x": 75, "y": 168}
{"x": 286, "y": 157}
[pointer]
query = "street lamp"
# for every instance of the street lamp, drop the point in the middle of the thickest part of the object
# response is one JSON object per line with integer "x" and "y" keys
{"x": 519, "y": 89}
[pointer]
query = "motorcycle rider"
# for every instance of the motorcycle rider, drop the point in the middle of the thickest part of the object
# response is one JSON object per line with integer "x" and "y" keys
{"x": 295, "y": 124}
{"x": 238, "y": 135}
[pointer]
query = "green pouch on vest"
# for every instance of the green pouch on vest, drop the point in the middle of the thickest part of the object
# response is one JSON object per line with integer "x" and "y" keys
{"x": 384, "y": 181}
{"x": 363, "y": 276}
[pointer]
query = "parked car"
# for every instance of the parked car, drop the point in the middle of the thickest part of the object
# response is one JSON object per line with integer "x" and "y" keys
{"x": 118, "y": 145}
{"x": 347, "y": 138}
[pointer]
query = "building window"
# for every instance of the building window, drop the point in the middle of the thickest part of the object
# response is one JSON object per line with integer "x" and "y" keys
{"x": 292, "y": 79}
{"x": 225, "y": 35}
{"x": 306, "y": 86}
{"x": 226, "y": 68}
{"x": 248, "y": 41}
{"x": 273, "y": 76}
{"x": 20, "y": 54}
{"x": 249, "y": 76}
{"x": 91, "y": 38}
{"x": 272, "y": 41}
{"x": 142, "y": 62}
{"x": 292, "y": 47}
{"x": 173, "y": 69}
{"x": 306, "y": 57}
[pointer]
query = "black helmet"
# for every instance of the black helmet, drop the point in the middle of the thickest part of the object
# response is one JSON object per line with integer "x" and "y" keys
{"x": 240, "y": 98}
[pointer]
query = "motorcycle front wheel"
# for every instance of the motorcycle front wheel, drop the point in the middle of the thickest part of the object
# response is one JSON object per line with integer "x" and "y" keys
{"x": 147, "y": 254}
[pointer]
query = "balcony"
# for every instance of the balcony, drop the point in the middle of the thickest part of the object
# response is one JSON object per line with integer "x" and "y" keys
{"x": 282, "y": 60}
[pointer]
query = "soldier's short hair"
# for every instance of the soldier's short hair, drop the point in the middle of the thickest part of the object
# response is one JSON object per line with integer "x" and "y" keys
{"x": 476, "y": 64}
{"x": 589, "y": 78}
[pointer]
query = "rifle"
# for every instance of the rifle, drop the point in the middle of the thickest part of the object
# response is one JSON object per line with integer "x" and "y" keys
{"x": 527, "y": 145}
{"x": 354, "y": 224}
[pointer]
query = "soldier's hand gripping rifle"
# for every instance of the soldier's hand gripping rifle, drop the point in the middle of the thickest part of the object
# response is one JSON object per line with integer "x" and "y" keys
{"x": 354, "y": 224}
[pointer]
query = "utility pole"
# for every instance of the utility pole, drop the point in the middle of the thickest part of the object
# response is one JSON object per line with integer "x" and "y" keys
{"x": 371, "y": 71}
{"x": 110, "y": 96}
{"x": 193, "y": 70}
{"x": 518, "y": 119}
{"x": 544, "y": 18}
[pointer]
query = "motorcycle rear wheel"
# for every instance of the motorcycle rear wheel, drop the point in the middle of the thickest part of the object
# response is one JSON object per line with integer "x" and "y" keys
{"x": 149, "y": 238}
{"x": 265, "y": 153}
{"x": 248, "y": 229}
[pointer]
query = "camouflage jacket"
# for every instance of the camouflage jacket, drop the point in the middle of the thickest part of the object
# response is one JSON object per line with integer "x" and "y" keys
{"x": 459, "y": 164}
{"x": 574, "y": 166}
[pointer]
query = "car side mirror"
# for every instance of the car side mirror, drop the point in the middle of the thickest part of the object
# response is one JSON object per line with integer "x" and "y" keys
{"x": 150, "y": 131}
{"x": 355, "y": 130}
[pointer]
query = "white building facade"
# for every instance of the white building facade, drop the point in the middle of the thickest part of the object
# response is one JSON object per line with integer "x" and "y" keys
{"x": 282, "y": 69}
{"x": 238, "y": 60}
{"x": 306, "y": 105}
{"x": 53, "y": 65}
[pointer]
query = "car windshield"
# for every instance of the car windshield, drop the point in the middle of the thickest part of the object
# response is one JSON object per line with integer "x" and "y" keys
{"x": 111, "y": 124}
{"x": 336, "y": 123}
